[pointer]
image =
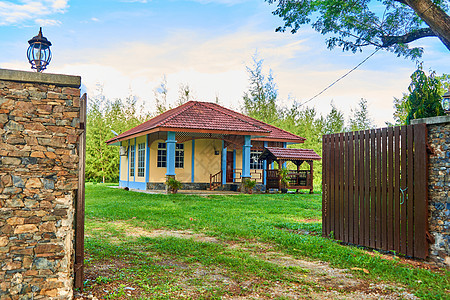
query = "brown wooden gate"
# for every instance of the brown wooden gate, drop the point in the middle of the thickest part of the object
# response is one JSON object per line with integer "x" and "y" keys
{"x": 79, "y": 209}
{"x": 375, "y": 189}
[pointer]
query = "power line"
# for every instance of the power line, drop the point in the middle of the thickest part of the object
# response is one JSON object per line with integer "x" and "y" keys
{"x": 340, "y": 77}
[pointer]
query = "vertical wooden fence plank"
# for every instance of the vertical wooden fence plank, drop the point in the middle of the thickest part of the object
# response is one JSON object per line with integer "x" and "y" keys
{"x": 336, "y": 187}
{"x": 367, "y": 188}
{"x": 390, "y": 190}
{"x": 397, "y": 187}
{"x": 351, "y": 183}
{"x": 79, "y": 213}
{"x": 404, "y": 186}
{"x": 361, "y": 188}
{"x": 420, "y": 191}
{"x": 332, "y": 183}
{"x": 379, "y": 196}
{"x": 325, "y": 170}
{"x": 341, "y": 185}
{"x": 384, "y": 189}
{"x": 347, "y": 226}
{"x": 373, "y": 185}
{"x": 356, "y": 193}
{"x": 410, "y": 191}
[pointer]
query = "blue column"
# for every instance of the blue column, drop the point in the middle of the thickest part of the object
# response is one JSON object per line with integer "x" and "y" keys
{"x": 265, "y": 167}
{"x": 170, "y": 146}
{"x": 284, "y": 146}
{"x": 246, "y": 156}
{"x": 193, "y": 162}
{"x": 147, "y": 160}
{"x": 224, "y": 163}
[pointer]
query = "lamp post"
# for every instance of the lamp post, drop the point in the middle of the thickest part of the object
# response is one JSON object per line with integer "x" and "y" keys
{"x": 39, "y": 54}
{"x": 446, "y": 102}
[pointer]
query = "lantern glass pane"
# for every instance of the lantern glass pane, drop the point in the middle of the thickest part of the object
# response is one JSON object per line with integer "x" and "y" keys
{"x": 446, "y": 104}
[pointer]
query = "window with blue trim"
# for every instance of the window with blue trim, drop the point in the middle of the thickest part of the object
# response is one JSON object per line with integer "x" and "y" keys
{"x": 141, "y": 160}
{"x": 161, "y": 161}
{"x": 255, "y": 163}
{"x": 132, "y": 158}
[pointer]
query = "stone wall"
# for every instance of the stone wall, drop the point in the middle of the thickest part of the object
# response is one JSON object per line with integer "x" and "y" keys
{"x": 439, "y": 186}
{"x": 39, "y": 120}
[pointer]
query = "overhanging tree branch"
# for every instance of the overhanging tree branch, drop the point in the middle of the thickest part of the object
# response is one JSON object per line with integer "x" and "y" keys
{"x": 388, "y": 41}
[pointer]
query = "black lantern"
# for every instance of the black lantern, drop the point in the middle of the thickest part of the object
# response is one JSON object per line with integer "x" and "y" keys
{"x": 39, "y": 54}
{"x": 446, "y": 102}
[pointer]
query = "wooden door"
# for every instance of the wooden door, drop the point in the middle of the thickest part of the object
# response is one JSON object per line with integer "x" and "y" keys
{"x": 230, "y": 164}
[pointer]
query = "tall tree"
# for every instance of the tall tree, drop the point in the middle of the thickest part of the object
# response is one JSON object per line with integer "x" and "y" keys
{"x": 424, "y": 99}
{"x": 400, "y": 110}
{"x": 334, "y": 121}
{"x": 104, "y": 117}
{"x": 360, "y": 119}
{"x": 160, "y": 93}
{"x": 185, "y": 94}
{"x": 354, "y": 24}
{"x": 260, "y": 99}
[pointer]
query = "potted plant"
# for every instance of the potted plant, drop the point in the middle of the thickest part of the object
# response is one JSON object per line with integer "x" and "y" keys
{"x": 173, "y": 185}
{"x": 249, "y": 185}
{"x": 284, "y": 179}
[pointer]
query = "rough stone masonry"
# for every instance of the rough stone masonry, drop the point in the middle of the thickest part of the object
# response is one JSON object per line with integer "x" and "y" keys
{"x": 39, "y": 136}
{"x": 439, "y": 186}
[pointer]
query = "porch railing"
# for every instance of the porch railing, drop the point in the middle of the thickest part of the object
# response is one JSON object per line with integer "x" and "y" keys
{"x": 215, "y": 180}
{"x": 297, "y": 179}
{"x": 256, "y": 174}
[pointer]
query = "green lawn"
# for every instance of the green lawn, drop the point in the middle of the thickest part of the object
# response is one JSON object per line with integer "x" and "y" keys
{"x": 274, "y": 220}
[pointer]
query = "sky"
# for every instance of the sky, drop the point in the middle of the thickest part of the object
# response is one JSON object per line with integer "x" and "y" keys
{"x": 125, "y": 47}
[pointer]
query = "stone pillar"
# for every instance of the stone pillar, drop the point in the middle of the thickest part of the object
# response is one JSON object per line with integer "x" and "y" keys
{"x": 39, "y": 139}
{"x": 246, "y": 161}
{"x": 439, "y": 186}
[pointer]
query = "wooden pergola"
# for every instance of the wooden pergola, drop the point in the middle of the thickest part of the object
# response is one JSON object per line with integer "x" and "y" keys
{"x": 298, "y": 179}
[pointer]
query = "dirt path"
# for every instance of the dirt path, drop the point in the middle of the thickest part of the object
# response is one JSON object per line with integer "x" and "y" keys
{"x": 317, "y": 280}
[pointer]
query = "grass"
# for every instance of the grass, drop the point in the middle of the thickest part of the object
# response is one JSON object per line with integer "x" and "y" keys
{"x": 274, "y": 219}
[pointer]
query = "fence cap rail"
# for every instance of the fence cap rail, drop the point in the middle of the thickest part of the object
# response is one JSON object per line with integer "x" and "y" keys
{"x": 432, "y": 120}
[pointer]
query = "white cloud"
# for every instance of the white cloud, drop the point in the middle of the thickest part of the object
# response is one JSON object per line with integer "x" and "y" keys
{"x": 95, "y": 19}
{"x": 47, "y": 22}
{"x": 16, "y": 13}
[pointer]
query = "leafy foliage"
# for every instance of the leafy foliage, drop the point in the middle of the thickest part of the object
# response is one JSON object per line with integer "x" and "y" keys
{"x": 352, "y": 25}
{"x": 103, "y": 117}
{"x": 424, "y": 96}
{"x": 260, "y": 99}
{"x": 360, "y": 119}
{"x": 174, "y": 185}
{"x": 334, "y": 122}
{"x": 161, "y": 96}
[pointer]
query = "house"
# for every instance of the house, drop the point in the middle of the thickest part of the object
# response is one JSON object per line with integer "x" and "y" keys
{"x": 202, "y": 144}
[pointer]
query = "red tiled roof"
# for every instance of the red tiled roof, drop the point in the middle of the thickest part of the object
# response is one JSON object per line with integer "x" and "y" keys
{"x": 211, "y": 117}
{"x": 289, "y": 154}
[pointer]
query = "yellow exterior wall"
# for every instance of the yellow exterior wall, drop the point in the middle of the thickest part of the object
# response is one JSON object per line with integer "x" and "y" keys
{"x": 124, "y": 164}
{"x": 159, "y": 174}
{"x": 139, "y": 140}
{"x": 206, "y": 162}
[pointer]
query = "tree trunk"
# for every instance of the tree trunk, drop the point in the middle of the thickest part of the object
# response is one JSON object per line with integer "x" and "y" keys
{"x": 434, "y": 16}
